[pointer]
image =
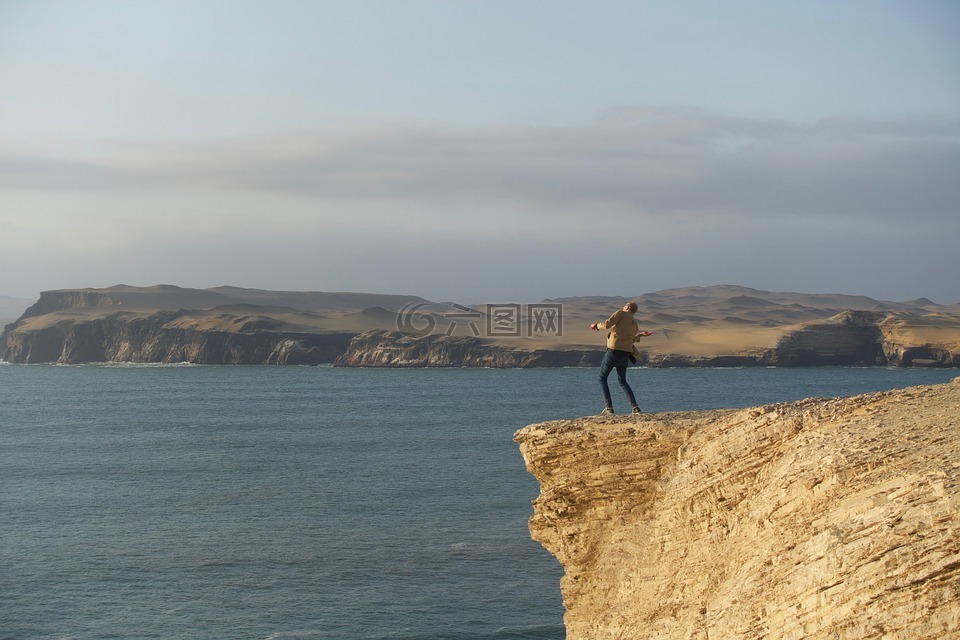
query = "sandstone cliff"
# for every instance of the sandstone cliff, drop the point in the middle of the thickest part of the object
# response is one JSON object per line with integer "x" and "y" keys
{"x": 872, "y": 338}
{"x": 701, "y": 327}
{"x": 816, "y": 519}
{"x": 164, "y": 337}
{"x": 394, "y": 349}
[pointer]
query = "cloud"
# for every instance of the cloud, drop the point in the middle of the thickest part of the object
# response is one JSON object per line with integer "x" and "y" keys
{"x": 652, "y": 162}
{"x": 638, "y": 200}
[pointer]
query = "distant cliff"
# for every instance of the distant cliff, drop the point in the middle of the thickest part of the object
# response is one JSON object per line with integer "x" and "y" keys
{"x": 122, "y": 337}
{"x": 818, "y": 519}
{"x": 852, "y": 338}
{"x": 856, "y": 338}
{"x": 701, "y": 327}
{"x": 871, "y": 338}
{"x": 394, "y": 349}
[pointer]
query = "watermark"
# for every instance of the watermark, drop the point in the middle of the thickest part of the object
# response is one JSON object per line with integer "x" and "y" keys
{"x": 542, "y": 319}
{"x": 413, "y": 323}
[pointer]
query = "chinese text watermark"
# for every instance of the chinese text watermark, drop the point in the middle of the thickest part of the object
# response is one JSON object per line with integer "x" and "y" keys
{"x": 542, "y": 319}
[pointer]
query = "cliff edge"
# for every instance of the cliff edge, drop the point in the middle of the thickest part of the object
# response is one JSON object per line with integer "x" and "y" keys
{"x": 824, "y": 518}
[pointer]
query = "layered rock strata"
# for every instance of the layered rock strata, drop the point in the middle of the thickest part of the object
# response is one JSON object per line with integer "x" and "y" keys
{"x": 156, "y": 338}
{"x": 394, "y": 349}
{"x": 817, "y": 519}
{"x": 713, "y": 327}
{"x": 866, "y": 338}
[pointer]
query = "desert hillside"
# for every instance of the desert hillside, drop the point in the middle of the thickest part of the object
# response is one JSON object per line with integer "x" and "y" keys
{"x": 697, "y": 326}
{"x": 819, "y": 519}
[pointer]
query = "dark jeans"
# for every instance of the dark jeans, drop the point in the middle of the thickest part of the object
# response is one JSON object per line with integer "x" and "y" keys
{"x": 618, "y": 360}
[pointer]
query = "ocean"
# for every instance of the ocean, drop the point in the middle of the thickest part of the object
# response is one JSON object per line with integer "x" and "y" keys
{"x": 254, "y": 502}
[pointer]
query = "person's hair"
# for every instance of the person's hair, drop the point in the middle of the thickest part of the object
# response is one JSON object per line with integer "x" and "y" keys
{"x": 633, "y": 307}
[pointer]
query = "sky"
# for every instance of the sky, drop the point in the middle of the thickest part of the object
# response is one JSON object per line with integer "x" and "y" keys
{"x": 481, "y": 150}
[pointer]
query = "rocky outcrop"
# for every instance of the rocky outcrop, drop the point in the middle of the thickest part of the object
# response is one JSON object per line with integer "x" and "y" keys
{"x": 395, "y": 349}
{"x": 759, "y": 358}
{"x": 123, "y": 337}
{"x": 902, "y": 346}
{"x": 850, "y": 338}
{"x": 819, "y": 519}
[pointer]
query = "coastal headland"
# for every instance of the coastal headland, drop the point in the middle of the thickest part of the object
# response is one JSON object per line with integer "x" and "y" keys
{"x": 823, "y": 518}
{"x": 692, "y": 327}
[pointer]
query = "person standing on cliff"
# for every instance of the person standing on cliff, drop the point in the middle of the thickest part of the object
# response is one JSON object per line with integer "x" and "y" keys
{"x": 622, "y": 333}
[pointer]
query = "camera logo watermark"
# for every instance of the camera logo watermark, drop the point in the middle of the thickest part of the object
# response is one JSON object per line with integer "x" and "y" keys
{"x": 413, "y": 323}
{"x": 544, "y": 319}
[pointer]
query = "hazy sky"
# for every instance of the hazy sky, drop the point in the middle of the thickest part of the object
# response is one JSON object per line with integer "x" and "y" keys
{"x": 481, "y": 150}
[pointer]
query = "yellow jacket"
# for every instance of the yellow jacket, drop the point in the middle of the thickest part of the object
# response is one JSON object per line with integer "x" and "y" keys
{"x": 623, "y": 331}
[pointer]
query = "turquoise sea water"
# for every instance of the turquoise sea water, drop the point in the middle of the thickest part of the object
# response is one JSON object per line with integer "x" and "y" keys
{"x": 191, "y": 502}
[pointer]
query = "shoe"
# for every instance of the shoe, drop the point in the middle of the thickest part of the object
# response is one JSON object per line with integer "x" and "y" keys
{"x": 607, "y": 412}
{"x": 637, "y": 410}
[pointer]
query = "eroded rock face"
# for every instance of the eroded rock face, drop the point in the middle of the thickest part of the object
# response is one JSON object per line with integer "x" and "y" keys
{"x": 229, "y": 325}
{"x": 395, "y": 349}
{"x": 849, "y": 338}
{"x": 157, "y": 338}
{"x": 816, "y": 519}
